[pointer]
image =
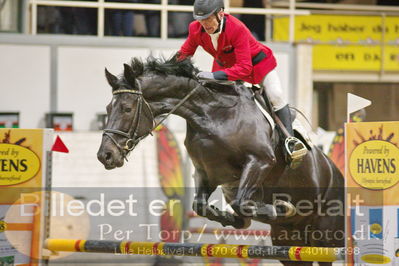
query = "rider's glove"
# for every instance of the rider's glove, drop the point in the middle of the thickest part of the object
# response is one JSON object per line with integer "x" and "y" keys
{"x": 218, "y": 75}
{"x": 205, "y": 75}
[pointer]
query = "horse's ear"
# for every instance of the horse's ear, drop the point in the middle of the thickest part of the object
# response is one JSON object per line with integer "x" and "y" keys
{"x": 112, "y": 80}
{"x": 129, "y": 75}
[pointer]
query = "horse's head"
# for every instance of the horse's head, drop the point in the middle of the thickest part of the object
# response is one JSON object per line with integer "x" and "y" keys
{"x": 129, "y": 116}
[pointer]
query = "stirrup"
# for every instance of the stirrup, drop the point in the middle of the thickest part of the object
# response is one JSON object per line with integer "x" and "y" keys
{"x": 298, "y": 152}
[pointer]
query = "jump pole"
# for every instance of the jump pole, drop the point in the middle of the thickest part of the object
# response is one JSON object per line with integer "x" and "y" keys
{"x": 221, "y": 231}
{"x": 320, "y": 254}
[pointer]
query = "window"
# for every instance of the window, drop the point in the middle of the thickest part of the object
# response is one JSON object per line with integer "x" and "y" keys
{"x": 10, "y": 15}
{"x": 67, "y": 20}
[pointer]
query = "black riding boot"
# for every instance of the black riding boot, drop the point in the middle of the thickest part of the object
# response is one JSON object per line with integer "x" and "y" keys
{"x": 294, "y": 149}
{"x": 285, "y": 116}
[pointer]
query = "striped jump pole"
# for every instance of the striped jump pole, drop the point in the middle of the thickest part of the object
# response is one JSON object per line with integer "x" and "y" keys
{"x": 196, "y": 249}
{"x": 219, "y": 231}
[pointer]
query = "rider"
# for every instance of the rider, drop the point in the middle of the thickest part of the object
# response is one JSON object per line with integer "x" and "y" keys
{"x": 238, "y": 56}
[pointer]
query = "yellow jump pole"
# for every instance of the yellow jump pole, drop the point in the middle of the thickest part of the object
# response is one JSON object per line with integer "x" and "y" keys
{"x": 320, "y": 254}
{"x": 218, "y": 231}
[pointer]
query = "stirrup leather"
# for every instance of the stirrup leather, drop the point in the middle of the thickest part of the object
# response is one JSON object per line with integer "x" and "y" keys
{"x": 299, "y": 150}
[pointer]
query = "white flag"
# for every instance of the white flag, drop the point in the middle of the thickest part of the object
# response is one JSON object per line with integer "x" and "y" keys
{"x": 356, "y": 103}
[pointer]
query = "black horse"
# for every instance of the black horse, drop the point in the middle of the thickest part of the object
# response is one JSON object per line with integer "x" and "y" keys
{"x": 231, "y": 144}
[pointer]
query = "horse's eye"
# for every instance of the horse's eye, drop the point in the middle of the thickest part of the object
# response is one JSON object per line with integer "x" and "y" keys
{"x": 128, "y": 110}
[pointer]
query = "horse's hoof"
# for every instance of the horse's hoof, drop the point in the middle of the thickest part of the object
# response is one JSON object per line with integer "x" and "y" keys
{"x": 237, "y": 223}
{"x": 246, "y": 222}
{"x": 284, "y": 208}
{"x": 266, "y": 211}
{"x": 224, "y": 217}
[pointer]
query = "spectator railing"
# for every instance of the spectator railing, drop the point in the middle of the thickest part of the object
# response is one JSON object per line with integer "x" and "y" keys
{"x": 163, "y": 7}
{"x": 289, "y": 8}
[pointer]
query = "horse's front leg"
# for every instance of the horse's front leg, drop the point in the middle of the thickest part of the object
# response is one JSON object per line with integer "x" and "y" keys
{"x": 202, "y": 208}
{"x": 202, "y": 192}
{"x": 249, "y": 198}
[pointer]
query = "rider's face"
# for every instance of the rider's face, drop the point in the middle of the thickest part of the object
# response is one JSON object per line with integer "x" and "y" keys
{"x": 211, "y": 24}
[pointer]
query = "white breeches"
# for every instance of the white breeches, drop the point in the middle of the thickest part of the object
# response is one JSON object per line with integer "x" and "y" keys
{"x": 271, "y": 83}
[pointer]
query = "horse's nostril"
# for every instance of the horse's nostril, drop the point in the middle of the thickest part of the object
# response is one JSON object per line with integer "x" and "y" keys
{"x": 108, "y": 156}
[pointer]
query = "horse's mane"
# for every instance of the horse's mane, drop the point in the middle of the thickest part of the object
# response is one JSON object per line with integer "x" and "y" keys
{"x": 164, "y": 67}
{"x": 174, "y": 66}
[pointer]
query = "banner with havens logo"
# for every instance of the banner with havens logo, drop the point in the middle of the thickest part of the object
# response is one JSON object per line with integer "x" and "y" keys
{"x": 372, "y": 178}
{"x": 21, "y": 157}
{"x": 373, "y": 158}
{"x": 23, "y": 170}
{"x": 367, "y": 30}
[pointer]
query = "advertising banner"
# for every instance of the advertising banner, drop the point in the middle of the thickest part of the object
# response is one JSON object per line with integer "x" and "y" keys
{"x": 372, "y": 176}
{"x": 326, "y": 28}
{"x": 357, "y": 41}
{"x": 355, "y": 57}
{"x": 23, "y": 173}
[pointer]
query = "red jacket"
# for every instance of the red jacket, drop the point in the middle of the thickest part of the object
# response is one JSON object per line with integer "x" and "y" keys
{"x": 239, "y": 54}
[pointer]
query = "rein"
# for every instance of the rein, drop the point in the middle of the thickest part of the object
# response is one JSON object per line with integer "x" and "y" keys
{"x": 177, "y": 106}
{"x": 132, "y": 137}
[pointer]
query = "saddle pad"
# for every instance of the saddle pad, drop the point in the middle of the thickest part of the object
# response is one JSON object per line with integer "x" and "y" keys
{"x": 300, "y": 129}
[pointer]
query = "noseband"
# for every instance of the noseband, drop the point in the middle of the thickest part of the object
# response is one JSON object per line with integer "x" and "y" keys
{"x": 132, "y": 137}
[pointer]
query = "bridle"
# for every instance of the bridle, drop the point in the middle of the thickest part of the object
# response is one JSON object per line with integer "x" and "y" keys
{"x": 132, "y": 136}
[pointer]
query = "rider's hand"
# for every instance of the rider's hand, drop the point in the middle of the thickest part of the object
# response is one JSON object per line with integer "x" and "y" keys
{"x": 218, "y": 75}
{"x": 205, "y": 75}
